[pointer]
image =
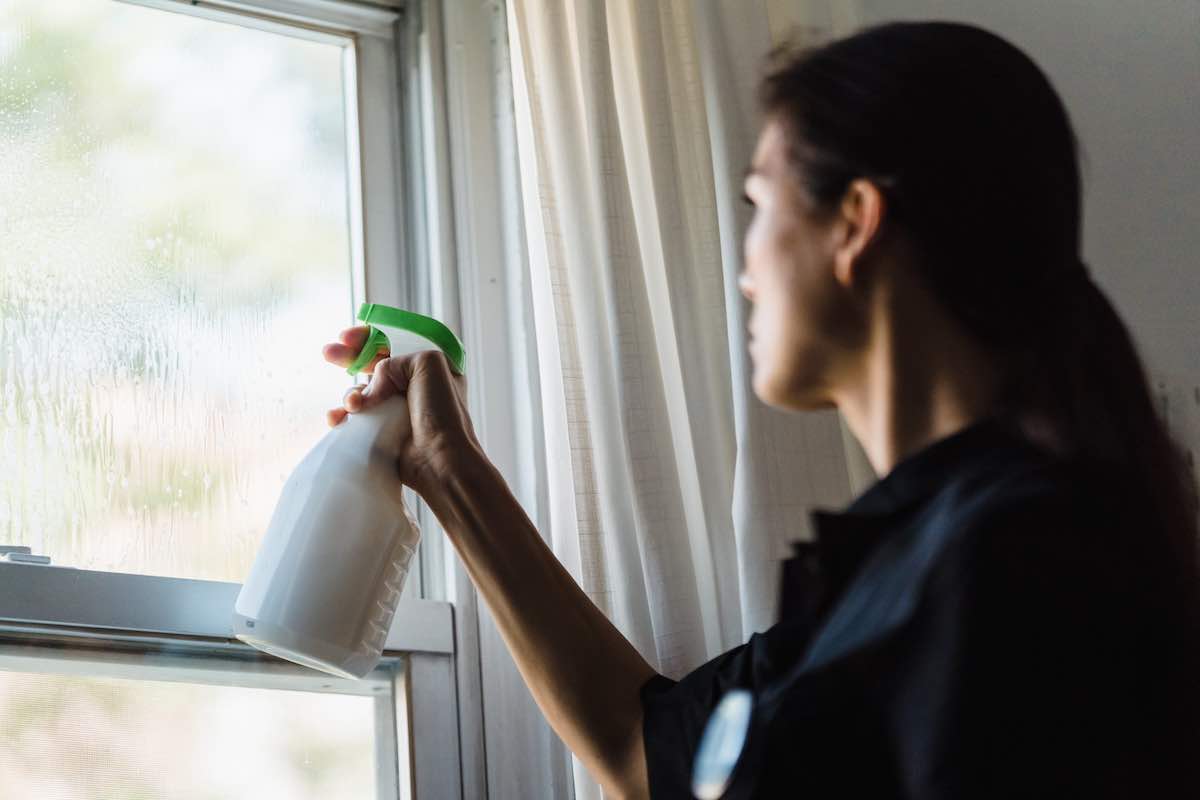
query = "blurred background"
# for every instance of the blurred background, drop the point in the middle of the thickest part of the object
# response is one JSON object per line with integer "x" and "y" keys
{"x": 75, "y": 738}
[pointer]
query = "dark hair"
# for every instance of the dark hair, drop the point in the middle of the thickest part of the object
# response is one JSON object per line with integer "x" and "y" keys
{"x": 975, "y": 155}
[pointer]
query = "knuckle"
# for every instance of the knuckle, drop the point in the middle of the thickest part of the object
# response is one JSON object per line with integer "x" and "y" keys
{"x": 428, "y": 360}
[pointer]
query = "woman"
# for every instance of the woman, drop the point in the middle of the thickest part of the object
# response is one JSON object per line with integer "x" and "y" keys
{"x": 1009, "y": 612}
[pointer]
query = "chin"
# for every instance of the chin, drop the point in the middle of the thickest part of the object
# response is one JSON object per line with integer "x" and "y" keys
{"x": 775, "y": 394}
{"x": 778, "y": 392}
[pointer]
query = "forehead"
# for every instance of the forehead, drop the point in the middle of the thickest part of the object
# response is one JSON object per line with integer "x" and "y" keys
{"x": 772, "y": 170}
{"x": 769, "y": 152}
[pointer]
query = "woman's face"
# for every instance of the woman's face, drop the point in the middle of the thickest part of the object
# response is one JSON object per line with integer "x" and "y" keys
{"x": 801, "y": 318}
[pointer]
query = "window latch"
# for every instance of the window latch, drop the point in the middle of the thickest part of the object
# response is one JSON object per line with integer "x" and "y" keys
{"x": 13, "y": 554}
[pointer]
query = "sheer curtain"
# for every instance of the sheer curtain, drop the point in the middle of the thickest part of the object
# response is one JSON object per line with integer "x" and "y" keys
{"x": 670, "y": 491}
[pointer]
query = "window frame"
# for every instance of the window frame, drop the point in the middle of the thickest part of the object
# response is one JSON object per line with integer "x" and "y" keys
{"x": 68, "y": 621}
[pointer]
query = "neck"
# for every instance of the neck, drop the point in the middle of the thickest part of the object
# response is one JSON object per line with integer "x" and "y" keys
{"x": 919, "y": 380}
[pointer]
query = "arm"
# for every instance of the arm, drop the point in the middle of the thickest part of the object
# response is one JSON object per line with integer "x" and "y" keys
{"x": 584, "y": 675}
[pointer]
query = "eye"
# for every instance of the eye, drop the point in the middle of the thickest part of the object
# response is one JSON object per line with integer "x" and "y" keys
{"x": 746, "y": 199}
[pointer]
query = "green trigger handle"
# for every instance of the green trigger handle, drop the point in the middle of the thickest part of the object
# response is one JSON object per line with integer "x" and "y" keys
{"x": 428, "y": 328}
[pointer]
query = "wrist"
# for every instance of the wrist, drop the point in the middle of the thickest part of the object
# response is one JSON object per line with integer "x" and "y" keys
{"x": 441, "y": 477}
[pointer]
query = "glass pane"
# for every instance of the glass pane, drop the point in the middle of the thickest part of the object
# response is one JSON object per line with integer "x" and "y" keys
{"x": 174, "y": 249}
{"x": 72, "y": 738}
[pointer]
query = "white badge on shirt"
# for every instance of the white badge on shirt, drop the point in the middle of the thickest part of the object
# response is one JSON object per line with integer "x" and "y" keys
{"x": 721, "y": 745}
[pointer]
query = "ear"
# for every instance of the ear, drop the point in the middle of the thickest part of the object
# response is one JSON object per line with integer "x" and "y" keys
{"x": 860, "y": 218}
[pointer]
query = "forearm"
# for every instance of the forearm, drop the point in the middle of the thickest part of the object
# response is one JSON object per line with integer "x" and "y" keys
{"x": 582, "y": 672}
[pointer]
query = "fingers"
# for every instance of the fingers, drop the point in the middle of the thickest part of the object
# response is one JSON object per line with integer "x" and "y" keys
{"x": 343, "y": 352}
{"x": 388, "y": 379}
{"x": 339, "y": 354}
{"x": 352, "y": 402}
{"x": 352, "y": 399}
{"x": 426, "y": 378}
{"x": 433, "y": 391}
{"x": 354, "y": 337}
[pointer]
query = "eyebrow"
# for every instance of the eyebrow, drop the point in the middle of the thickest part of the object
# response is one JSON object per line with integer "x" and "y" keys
{"x": 751, "y": 170}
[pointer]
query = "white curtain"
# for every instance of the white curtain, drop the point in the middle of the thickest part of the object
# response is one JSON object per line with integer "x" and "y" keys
{"x": 670, "y": 491}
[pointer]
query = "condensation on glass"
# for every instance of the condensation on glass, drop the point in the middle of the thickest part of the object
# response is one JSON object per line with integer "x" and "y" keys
{"x": 79, "y": 738}
{"x": 174, "y": 249}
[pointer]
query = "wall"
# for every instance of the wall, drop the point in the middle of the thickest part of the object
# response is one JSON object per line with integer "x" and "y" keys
{"x": 1130, "y": 76}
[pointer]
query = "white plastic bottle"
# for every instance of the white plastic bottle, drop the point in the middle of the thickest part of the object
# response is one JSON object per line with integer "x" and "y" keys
{"x": 325, "y": 583}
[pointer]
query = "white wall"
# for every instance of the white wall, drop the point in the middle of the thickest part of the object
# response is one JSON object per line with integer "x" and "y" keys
{"x": 1129, "y": 73}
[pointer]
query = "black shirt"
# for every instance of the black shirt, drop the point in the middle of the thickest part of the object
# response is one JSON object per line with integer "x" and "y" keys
{"x": 985, "y": 621}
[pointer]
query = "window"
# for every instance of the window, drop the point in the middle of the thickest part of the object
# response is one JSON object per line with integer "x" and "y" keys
{"x": 114, "y": 737}
{"x": 176, "y": 250}
{"x": 184, "y": 220}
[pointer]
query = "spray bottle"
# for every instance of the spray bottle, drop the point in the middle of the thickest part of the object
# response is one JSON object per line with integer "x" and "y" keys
{"x": 326, "y": 580}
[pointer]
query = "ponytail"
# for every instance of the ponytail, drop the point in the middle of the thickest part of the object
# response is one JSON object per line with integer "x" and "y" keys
{"x": 1082, "y": 393}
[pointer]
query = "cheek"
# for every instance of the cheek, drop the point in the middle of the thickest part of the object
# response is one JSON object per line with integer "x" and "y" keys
{"x": 791, "y": 373}
{"x": 754, "y": 250}
{"x": 778, "y": 265}
{"x": 791, "y": 302}
{"x": 765, "y": 237}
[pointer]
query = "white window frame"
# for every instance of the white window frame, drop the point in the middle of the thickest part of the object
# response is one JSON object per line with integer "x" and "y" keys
{"x": 461, "y": 158}
{"x": 61, "y": 620}
{"x": 65, "y": 621}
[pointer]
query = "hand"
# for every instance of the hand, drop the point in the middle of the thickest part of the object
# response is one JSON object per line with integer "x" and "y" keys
{"x": 442, "y": 434}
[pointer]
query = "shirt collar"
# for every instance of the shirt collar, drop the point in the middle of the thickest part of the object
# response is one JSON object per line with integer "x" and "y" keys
{"x": 844, "y": 539}
{"x": 922, "y": 473}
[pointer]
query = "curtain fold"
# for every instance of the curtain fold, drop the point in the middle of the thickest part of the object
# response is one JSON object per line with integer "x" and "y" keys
{"x": 671, "y": 490}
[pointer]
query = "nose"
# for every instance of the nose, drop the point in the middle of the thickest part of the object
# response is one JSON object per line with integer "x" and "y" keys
{"x": 746, "y": 286}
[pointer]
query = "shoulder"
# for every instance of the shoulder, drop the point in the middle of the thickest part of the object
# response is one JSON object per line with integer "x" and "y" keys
{"x": 1056, "y": 542}
{"x": 1053, "y": 619}
{"x": 1009, "y": 520}
{"x": 1039, "y": 544}
{"x": 1033, "y": 500}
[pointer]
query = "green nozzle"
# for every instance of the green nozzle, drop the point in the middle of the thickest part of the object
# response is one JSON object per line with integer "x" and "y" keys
{"x": 414, "y": 331}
